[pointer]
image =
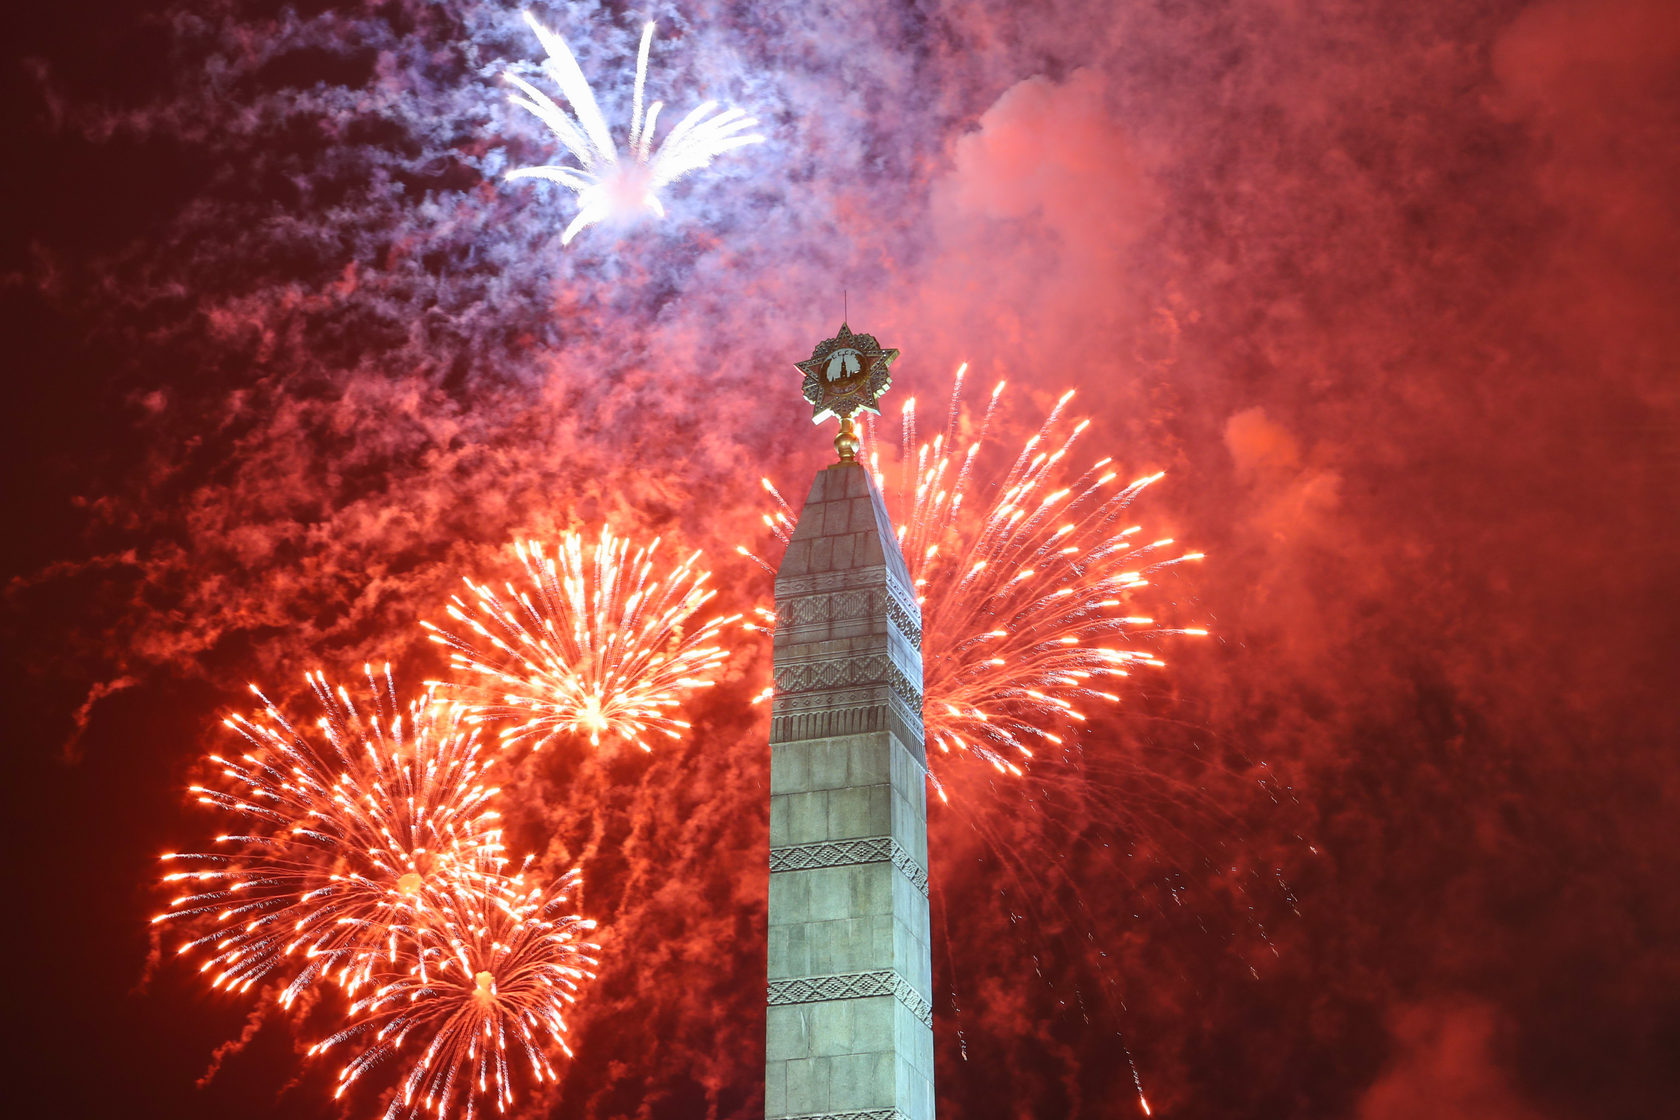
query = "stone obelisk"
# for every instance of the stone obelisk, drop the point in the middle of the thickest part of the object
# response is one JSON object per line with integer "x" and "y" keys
{"x": 849, "y": 1032}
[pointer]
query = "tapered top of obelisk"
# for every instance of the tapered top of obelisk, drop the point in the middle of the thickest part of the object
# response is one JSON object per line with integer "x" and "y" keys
{"x": 846, "y": 375}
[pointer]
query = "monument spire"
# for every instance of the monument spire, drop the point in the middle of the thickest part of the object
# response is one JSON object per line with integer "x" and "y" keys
{"x": 849, "y": 1023}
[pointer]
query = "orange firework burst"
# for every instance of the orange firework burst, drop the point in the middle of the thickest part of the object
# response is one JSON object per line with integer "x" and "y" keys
{"x": 1028, "y": 587}
{"x": 338, "y": 837}
{"x": 496, "y": 967}
{"x": 594, "y": 646}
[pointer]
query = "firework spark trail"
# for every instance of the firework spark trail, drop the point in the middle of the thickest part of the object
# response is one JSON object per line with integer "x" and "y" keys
{"x": 337, "y": 839}
{"x": 608, "y": 183}
{"x": 1069, "y": 827}
{"x": 1028, "y": 600}
{"x": 1142, "y": 821}
{"x": 495, "y": 968}
{"x": 590, "y": 647}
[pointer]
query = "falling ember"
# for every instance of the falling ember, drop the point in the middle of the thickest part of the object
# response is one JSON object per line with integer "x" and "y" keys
{"x": 485, "y": 993}
{"x": 337, "y": 835}
{"x": 607, "y": 182}
{"x": 597, "y": 644}
{"x": 1029, "y": 585}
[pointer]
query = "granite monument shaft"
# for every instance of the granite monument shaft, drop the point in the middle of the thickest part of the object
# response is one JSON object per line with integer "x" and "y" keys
{"x": 849, "y": 1032}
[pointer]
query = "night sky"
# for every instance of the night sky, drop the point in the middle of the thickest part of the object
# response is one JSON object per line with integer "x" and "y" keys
{"x": 1388, "y": 289}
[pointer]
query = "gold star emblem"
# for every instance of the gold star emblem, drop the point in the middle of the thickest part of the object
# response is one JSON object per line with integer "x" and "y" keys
{"x": 846, "y": 374}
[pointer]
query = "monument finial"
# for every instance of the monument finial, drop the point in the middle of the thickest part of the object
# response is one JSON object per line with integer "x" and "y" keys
{"x": 846, "y": 374}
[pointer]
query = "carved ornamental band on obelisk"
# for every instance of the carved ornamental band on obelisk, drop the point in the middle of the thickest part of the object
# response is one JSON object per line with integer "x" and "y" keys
{"x": 850, "y": 1021}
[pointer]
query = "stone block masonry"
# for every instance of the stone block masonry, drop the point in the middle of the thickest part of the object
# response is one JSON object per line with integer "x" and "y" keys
{"x": 849, "y": 1030}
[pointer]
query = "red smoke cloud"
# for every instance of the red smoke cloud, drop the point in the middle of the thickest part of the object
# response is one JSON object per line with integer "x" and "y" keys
{"x": 1442, "y": 1066}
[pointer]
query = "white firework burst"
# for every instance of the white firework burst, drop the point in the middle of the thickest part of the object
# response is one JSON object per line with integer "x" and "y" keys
{"x": 609, "y": 182}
